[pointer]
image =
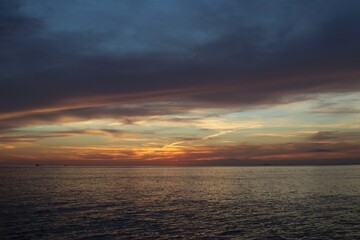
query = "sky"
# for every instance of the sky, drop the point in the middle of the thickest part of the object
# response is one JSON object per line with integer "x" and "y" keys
{"x": 179, "y": 82}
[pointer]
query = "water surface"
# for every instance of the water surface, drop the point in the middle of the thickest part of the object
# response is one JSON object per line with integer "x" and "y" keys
{"x": 312, "y": 202}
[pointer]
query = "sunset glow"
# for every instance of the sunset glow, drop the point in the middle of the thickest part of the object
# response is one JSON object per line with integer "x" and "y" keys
{"x": 276, "y": 89}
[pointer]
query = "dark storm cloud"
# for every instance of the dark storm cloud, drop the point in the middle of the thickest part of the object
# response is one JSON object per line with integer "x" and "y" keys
{"x": 205, "y": 53}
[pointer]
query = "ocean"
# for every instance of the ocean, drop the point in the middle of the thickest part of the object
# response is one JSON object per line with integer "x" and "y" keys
{"x": 267, "y": 202}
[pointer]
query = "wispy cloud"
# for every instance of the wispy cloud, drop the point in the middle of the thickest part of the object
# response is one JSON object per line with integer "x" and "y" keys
{"x": 177, "y": 144}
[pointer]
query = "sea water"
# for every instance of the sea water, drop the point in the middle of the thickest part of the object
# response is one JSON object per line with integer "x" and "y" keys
{"x": 270, "y": 202}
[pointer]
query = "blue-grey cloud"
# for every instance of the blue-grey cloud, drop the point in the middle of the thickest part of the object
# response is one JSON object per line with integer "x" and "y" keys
{"x": 208, "y": 53}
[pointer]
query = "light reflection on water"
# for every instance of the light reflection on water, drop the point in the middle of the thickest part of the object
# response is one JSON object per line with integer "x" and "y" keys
{"x": 320, "y": 202}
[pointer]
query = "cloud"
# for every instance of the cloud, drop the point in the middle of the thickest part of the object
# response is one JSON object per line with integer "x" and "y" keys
{"x": 192, "y": 139}
{"x": 336, "y": 136}
{"x": 237, "y": 154}
{"x": 337, "y": 104}
{"x": 320, "y": 150}
{"x": 20, "y": 137}
{"x": 250, "y": 62}
{"x": 125, "y": 114}
{"x": 179, "y": 63}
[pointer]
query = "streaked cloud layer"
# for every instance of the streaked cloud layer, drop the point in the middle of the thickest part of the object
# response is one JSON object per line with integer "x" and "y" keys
{"x": 180, "y": 82}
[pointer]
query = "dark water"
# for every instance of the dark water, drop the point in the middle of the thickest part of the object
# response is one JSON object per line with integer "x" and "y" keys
{"x": 180, "y": 203}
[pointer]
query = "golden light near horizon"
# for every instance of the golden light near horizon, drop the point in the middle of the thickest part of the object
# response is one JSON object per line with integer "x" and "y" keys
{"x": 267, "y": 133}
